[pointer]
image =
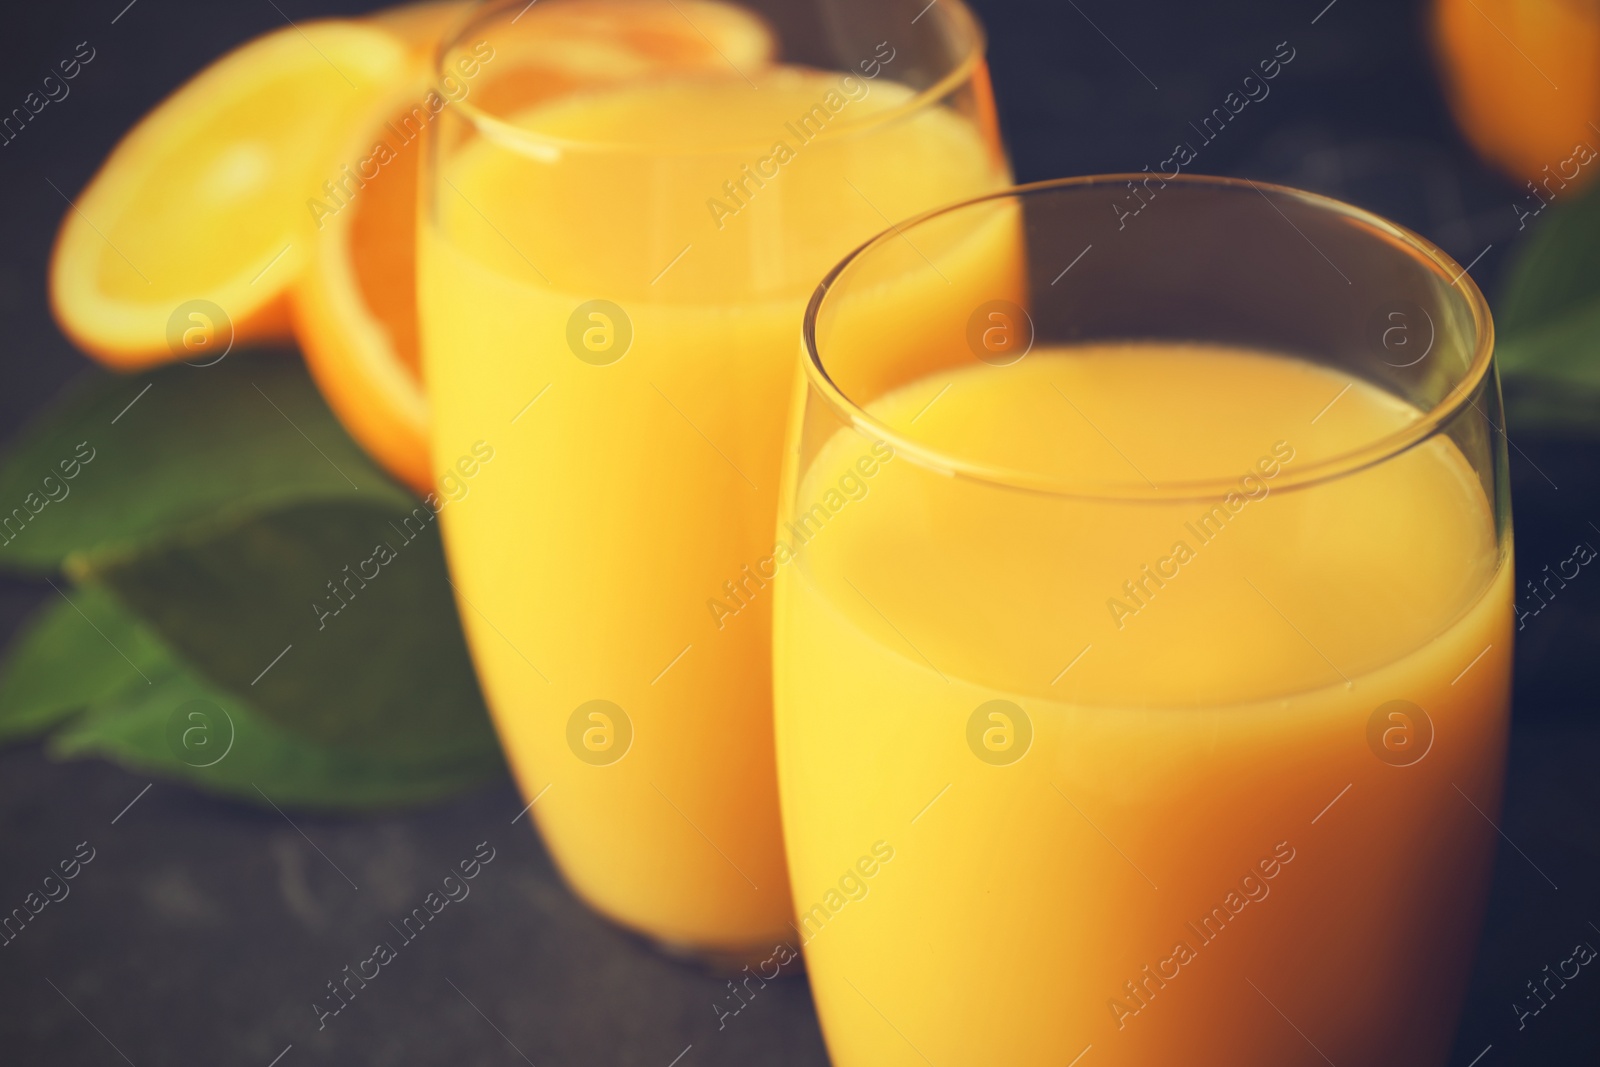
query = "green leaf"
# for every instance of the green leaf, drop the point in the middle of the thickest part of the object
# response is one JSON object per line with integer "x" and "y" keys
{"x": 1552, "y": 376}
{"x": 1563, "y": 351}
{"x": 78, "y": 650}
{"x": 235, "y": 752}
{"x": 123, "y": 461}
{"x": 1557, "y": 269}
{"x": 1554, "y": 410}
{"x": 1549, "y": 322}
{"x": 379, "y": 665}
{"x": 70, "y": 661}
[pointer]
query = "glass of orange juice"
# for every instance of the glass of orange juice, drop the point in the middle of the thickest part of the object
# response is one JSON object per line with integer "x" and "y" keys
{"x": 1142, "y": 660}
{"x": 619, "y": 230}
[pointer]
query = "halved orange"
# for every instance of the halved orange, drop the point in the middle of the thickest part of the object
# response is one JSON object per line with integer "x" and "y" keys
{"x": 206, "y": 198}
{"x": 354, "y": 307}
{"x": 1523, "y": 79}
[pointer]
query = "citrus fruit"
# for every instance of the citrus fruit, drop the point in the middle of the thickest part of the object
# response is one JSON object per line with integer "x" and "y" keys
{"x": 1523, "y": 78}
{"x": 197, "y": 223}
{"x": 354, "y": 307}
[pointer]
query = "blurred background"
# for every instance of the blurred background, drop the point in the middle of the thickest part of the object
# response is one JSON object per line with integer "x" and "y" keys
{"x": 203, "y": 928}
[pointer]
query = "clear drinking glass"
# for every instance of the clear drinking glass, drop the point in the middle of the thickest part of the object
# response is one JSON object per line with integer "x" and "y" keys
{"x": 1142, "y": 658}
{"x": 621, "y": 223}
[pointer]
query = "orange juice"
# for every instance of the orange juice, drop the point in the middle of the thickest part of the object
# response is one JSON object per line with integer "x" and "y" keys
{"x": 623, "y": 332}
{"x": 1149, "y": 781}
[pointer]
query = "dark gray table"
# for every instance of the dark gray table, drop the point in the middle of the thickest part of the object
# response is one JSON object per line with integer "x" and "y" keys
{"x": 202, "y": 931}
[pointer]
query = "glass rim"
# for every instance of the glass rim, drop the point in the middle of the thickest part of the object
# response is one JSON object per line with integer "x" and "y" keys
{"x": 509, "y": 135}
{"x": 1379, "y": 450}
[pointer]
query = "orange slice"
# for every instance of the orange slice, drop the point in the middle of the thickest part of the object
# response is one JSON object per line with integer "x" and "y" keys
{"x": 1524, "y": 82}
{"x": 205, "y": 200}
{"x": 354, "y": 307}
